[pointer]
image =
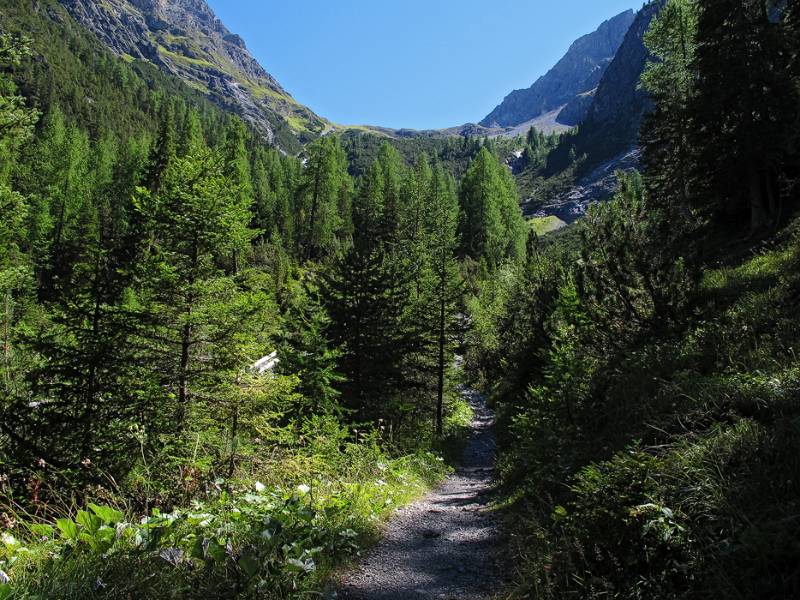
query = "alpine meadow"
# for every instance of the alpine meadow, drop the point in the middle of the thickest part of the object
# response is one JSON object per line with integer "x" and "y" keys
{"x": 247, "y": 352}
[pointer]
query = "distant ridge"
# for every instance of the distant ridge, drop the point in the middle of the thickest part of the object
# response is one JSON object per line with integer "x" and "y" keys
{"x": 570, "y": 82}
{"x": 186, "y": 39}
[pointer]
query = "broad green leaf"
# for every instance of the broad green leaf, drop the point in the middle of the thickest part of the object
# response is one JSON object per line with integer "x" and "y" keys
{"x": 300, "y": 566}
{"x": 9, "y": 541}
{"x": 108, "y": 515}
{"x": 197, "y": 550}
{"x": 249, "y": 565}
{"x": 43, "y": 531}
{"x": 88, "y": 520}
{"x": 216, "y": 551}
{"x": 559, "y": 513}
{"x": 68, "y": 528}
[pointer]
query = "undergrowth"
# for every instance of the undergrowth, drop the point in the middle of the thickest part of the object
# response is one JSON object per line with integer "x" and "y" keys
{"x": 677, "y": 472}
{"x": 274, "y": 537}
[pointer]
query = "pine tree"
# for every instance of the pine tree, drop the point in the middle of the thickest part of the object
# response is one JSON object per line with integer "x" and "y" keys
{"x": 325, "y": 189}
{"x": 237, "y": 170}
{"x": 367, "y": 295}
{"x": 743, "y": 101}
{"x": 441, "y": 227}
{"x": 492, "y": 227}
{"x": 670, "y": 79}
{"x": 195, "y": 222}
{"x": 16, "y": 128}
{"x": 307, "y": 353}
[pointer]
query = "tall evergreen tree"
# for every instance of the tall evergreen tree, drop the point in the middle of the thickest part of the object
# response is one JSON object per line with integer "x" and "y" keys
{"x": 195, "y": 222}
{"x": 367, "y": 295}
{"x": 325, "y": 189}
{"x": 441, "y": 225}
{"x": 492, "y": 227}
{"x": 16, "y": 128}
{"x": 743, "y": 101}
{"x": 670, "y": 79}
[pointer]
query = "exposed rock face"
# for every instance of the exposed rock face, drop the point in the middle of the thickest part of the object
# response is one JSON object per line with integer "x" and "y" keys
{"x": 578, "y": 72}
{"x": 185, "y": 38}
{"x": 599, "y": 185}
{"x": 609, "y": 133}
{"x": 575, "y": 112}
{"x": 619, "y": 97}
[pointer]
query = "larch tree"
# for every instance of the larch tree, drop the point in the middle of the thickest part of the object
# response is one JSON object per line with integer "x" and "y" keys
{"x": 441, "y": 227}
{"x": 325, "y": 191}
{"x": 195, "y": 223}
{"x": 492, "y": 226}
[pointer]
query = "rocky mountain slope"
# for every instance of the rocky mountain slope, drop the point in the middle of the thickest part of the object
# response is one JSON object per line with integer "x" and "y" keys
{"x": 186, "y": 39}
{"x": 615, "y": 114}
{"x": 569, "y": 82}
{"x": 609, "y": 132}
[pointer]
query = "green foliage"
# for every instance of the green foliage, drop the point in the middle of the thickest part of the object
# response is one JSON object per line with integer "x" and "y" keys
{"x": 648, "y": 415}
{"x": 325, "y": 191}
{"x": 268, "y": 540}
{"x": 492, "y": 228}
{"x": 152, "y": 251}
{"x": 744, "y": 153}
{"x": 628, "y": 283}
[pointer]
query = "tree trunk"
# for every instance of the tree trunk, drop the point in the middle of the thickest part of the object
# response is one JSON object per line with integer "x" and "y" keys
{"x": 183, "y": 375}
{"x": 91, "y": 383}
{"x": 6, "y": 326}
{"x": 310, "y": 253}
{"x": 440, "y": 387}
{"x": 234, "y": 436}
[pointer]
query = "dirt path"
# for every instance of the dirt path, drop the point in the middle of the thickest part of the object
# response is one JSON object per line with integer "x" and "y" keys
{"x": 446, "y": 545}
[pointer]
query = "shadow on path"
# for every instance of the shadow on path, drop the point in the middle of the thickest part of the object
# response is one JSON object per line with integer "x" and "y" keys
{"x": 446, "y": 545}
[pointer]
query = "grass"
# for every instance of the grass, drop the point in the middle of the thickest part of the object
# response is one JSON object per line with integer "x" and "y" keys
{"x": 685, "y": 481}
{"x": 187, "y": 60}
{"x": 544, "y": 225}
{"x": 244, "y": 539}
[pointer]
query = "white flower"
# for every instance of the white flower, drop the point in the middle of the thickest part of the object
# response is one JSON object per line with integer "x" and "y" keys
{"x": 260, "y": 487}
{"x": 303, "y": 489}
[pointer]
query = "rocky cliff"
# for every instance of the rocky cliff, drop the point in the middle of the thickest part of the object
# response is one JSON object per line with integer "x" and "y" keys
{"x": 576, "y": 74}
{"x": 186, "y": 39}
{"x": 609, "y": 133}
{"x": 619, "y": 99}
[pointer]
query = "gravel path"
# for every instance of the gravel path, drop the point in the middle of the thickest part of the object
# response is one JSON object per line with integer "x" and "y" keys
{"x": 446, "y": 545}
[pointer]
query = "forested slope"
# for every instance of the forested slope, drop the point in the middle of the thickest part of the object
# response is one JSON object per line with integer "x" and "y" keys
{"x": 153, "y": 251}
{"x": 643, "y": 364}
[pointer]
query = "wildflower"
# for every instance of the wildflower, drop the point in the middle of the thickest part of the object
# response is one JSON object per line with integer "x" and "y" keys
{"x": 303, "y": 489}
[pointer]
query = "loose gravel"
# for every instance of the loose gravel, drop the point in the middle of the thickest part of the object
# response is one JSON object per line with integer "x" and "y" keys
{"x": 445, "y": 546}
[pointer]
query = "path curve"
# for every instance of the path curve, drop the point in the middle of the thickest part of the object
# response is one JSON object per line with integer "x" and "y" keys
{"x": 445, "y": 546}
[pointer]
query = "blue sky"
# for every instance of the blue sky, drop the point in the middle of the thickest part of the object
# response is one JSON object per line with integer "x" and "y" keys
{"x": 410, "y": 63}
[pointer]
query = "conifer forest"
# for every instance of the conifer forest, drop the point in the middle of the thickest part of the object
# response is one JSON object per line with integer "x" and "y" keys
{"x": 233, "y": 346}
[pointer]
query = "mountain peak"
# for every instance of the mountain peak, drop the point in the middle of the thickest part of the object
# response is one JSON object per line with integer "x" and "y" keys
{"x": 186, "y": 39}
{"x": 574, "y": 77}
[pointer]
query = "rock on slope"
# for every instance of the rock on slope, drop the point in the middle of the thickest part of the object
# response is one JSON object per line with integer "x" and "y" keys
{"x": 619, "y": 103}
{"x": 186, "y": 39}
{"x": 575, "y": 75}
{"x": 609, "y": 134}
